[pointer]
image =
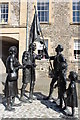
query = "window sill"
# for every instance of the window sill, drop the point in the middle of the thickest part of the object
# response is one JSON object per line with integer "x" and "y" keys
{"x": 74, "y": 23}
{"x": 75, "y": 61}
{"x": 3, "y": 23}
{"x": 45, "y": 23}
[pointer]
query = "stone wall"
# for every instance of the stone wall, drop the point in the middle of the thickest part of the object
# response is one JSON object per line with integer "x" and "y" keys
{"x": 60, "y": 31}
{"x": 15, "y": 12}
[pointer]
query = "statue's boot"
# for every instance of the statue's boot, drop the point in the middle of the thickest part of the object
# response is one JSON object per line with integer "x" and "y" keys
{"x": 9, "y": 107}
{"x": 22, "y": 98}
{"x": 31, "y": 96}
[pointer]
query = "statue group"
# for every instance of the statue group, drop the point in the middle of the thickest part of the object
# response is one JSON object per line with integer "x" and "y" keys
{"x": 66, "y": 95}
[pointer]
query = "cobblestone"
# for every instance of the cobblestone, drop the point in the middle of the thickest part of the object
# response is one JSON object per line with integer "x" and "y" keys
{"x": 38, "y": 108}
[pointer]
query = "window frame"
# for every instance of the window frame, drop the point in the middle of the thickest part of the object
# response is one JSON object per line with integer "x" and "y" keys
{"x": 76, "y": 39}
{"x": 72, "y": 22}
{"x": 8, "y": 21}
{"x": 49, "y": 21}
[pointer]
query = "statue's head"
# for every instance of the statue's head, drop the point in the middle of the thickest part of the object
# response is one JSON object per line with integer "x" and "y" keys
{"x": 26, "y": 54}
{"x": 32, "y": 46}
{"x": 59, "y": 48}
{"x": 13, "y": 50}
{"x": 73, "y": 76}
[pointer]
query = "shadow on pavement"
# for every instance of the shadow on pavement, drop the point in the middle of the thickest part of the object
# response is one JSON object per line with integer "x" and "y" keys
{"x": 49, "y": 103}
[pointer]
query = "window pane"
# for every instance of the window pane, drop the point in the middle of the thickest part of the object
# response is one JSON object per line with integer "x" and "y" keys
{"x": 38, "y": 4}
{"x": 73, "y": 19}
{"x": 77, "y": 19}
{"x": 46, "y": 7}
{"x": 38, "y": 7}
{"x": 42, "y": 3}
{"x": 78, "y": 7}
{"x": 46, "y": 19}
{"x": 38, "y": 14}
{"x": 77, "y": 49}
{"x": 2, "y": 16}
{"x": 42, "y": 7}
{"x": 73, "y": 13}
{"x": 46, "y": 14}
{"x": 3, "y": 6}
{"x": 76, "y": 11}
{"x": 6, "y": 6}
{"x": 6, "y": 20}
{"x": 74, "y": 7}
{"x": 6, "y": 11}
{"x": 42, "y": 14}
{"x": 42, "y": 18}
{"x": 6, "y": 16}
{"x": 3, "y": 12}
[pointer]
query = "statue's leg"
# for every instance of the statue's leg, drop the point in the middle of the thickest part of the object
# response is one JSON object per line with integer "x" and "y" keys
{"x": 65, "y": 102}
{"x": 51, "y": 89}
{"x": 61, "y": 102}
{"x": 32, "y": 89}
{"x": 13, "y": 100}
{"x": 73, "y": 111}
{"x": 9, "y": 106}
{"x": 22, "y": 98}
{"x": 23, "y": 89}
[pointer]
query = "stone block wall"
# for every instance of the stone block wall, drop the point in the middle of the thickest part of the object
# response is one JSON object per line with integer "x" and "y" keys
{"x": 15, "y": 12}
{"x": 60, "y": 31}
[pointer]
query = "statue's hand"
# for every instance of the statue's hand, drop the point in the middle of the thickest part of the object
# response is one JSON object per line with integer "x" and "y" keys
{"x": 33, "y": 65}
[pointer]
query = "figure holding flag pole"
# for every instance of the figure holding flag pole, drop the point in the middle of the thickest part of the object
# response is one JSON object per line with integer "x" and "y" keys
{"x": 35, "y": 33}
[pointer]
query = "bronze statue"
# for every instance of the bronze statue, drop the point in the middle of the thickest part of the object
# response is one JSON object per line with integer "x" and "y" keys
{"x": 33, "y": 56}
{"x": 28, "y": 61}
{"x": 59, "y": 62}
{"x": 71, "y": 99}
{"x": 61, "y": 82}
{"x": 26, "y": 73}
{"x": 11, "y": 88}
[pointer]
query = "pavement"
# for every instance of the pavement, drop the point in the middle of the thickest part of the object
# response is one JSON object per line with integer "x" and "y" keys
{"x": 39, "y": 108}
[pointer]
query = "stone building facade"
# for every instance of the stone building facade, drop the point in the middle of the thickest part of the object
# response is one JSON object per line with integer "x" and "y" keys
{"x": 59, "y": 30}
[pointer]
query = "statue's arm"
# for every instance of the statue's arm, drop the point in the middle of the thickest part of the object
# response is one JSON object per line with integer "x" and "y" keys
{"x": 11, "y": 65}
{"x": 18, "y": 65}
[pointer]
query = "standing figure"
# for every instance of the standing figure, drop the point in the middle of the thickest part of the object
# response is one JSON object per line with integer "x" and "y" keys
{"x": 33, "y": 56}
{"x": 27, "y": 64}
{"x": 57, "y": 61}
{"x": 12, "y": 67}
{"x": 71, "y": 99}
{"x": 62, "y": 82}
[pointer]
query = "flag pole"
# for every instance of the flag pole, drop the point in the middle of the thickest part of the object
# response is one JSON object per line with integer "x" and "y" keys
{"x": 27, "y": 29}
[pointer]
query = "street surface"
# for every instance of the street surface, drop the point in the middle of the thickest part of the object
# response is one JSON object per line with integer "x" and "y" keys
{"x": 39, "y": 108}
